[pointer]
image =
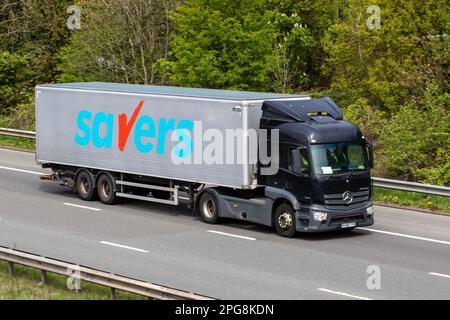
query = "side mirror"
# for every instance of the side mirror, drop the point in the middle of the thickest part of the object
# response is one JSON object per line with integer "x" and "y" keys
{"x": 371, "y": 160}
{"x": 297, "y": 165}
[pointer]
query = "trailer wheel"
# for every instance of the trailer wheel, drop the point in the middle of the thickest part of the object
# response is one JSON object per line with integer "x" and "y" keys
{"x": 105, "y": 189}
{"x": 85, "y": 186}
{"x": 208, "y": 207}
{"x": 285, "y": 220}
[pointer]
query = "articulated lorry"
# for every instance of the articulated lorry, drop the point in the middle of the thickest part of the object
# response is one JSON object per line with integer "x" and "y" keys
{"x": 280, "y": 160}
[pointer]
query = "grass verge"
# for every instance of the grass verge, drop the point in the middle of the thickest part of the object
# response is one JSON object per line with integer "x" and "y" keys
{"x": 25, "y": 286}
{"x": 412, "y": 199}
{"x": 19, "y": 143}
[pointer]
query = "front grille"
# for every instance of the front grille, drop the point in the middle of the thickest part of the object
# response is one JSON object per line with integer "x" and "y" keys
{"x": 335, "y": 201}
{"x": 351, "y": 218}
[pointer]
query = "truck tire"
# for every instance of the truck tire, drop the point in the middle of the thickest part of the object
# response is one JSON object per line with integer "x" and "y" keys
{"x": 284, "y": 220}
{"x": 105, "y": 189}
{"x": 208, "y": 208}
{"x": 85, "y": 186}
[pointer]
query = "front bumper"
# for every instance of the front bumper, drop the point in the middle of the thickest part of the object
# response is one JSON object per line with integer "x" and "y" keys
{"x": 305, "y": 221}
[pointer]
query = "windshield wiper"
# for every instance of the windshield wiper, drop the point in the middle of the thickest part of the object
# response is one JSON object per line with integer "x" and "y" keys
{"x": 335, "y": 175}
{"x": 350, "y": 174}
{"x": 346, "y": 174}
{"x": 359, "y": 173}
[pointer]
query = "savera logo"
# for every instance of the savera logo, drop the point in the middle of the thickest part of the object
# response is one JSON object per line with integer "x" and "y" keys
{"x": 146, "y": 136}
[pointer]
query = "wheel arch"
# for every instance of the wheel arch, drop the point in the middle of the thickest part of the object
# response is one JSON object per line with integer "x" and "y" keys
{"x": 278, "y": 202}
{"x": 280, "y": 196}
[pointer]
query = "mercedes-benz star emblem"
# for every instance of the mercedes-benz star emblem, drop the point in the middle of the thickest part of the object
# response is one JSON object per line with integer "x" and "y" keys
{"x": 347, "y": 197}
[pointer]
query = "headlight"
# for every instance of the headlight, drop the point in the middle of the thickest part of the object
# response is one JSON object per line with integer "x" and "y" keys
{"x": 319, "y": 215}
{"x": 370, "y": 210}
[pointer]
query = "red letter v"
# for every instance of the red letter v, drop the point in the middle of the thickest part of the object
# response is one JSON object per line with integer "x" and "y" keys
{"x": 125, "y": 128}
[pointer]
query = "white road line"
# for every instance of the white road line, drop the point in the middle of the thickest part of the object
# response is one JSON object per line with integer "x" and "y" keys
{"x": 82, "y": 207}
{"x": 439, "y": 274}
{"x": 343, "y": 294}
{"x": 21, "y": 170}
{"x": 123, "y": 247}
{"x": 231, "y": 235}
{"x": 406, "y": 236}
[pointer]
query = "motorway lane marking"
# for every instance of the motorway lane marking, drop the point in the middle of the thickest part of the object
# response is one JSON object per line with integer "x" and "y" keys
{"x": 405, "y": 235}
{"x": 123, "y": 246}
{"x": 21, "y": 170}
{"x": 231, "y": 235}
{"x": 439, "y": 274}
{"x": 82, "y": 207}
{"x": 343, "y": 294}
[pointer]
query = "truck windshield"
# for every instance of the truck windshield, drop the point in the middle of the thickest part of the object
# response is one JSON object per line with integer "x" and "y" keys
{"x": 339, "y": 157}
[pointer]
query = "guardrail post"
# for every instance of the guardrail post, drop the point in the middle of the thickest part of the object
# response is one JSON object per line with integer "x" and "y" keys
{"x": 43, "y": 277}
{"x": 11, "y": 270}
{"x": 113, "y": 293}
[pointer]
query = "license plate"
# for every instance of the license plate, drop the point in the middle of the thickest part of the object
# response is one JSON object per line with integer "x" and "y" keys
{"x": 348, "y": 225}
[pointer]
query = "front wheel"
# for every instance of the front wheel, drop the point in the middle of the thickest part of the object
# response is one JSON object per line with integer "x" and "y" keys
{"x": 285, "y": 220}
{"x": 208, "y": 207}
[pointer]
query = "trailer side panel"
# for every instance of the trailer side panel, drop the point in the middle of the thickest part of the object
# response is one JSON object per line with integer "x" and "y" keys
{"x": 81, "y": 128}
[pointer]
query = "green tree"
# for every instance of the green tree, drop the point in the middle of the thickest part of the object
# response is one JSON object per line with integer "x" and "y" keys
{"x": 416, "y": 140}
{"x": 13, "y": 82}
{"x": 119, "y": 41}
{"x": 221, "y": 44}
{"x": 36, "y": 30}
{"x": 393, "y": 63}
{"x": 298, "y": 53}
{"x": 31, "y": 34}
{"x": 288, "y": 62}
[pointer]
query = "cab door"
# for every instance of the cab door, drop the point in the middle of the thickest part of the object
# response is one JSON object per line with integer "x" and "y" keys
{"x": 297, "y": 174}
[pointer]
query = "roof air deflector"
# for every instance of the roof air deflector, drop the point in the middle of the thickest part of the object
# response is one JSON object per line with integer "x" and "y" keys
{"x": 300, "y": 110}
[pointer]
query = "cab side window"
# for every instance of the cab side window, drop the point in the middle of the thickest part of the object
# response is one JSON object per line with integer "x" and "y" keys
{"x": 303, "y": 160}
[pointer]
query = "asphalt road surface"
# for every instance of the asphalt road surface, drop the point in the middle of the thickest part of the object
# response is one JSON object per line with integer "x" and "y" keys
{"x": 404, "y": 255}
